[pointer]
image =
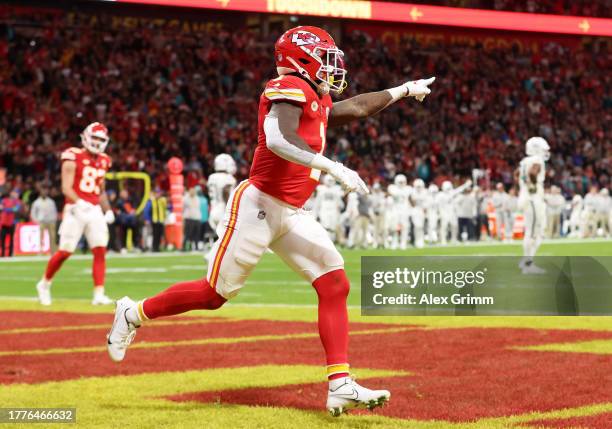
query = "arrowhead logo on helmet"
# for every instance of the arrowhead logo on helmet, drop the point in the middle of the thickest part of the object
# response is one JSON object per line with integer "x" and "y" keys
{"x": 312, "y": 52}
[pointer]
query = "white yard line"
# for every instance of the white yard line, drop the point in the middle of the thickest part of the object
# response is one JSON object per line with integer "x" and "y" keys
{"x": 195, "y": 253}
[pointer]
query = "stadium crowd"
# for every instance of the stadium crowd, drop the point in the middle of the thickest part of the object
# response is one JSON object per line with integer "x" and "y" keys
{"x": 168, "y": 92}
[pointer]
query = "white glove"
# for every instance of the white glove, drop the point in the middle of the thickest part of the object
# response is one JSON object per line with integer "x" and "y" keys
{"x": 419, "y": 88}
{"x": 109, "y": 217}
{"x": 82, "y": 209}
{"x": 348, "y": 179}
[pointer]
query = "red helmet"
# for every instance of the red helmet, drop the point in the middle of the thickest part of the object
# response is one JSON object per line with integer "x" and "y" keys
{"x": 312, "y": 52}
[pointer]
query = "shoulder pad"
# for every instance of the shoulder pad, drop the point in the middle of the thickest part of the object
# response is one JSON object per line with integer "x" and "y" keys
{"x": 289, "y": 88}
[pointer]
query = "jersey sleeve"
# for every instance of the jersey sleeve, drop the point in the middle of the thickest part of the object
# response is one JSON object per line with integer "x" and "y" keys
{"x": 70, "y": 154}
{"x": 286, "y": 88}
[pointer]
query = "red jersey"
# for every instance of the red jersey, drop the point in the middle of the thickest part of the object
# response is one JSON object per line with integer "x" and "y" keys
{"x": 89, "y": 173}
{"x": 282, "y": 179}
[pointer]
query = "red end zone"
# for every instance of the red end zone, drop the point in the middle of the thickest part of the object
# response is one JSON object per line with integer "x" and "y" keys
{"x": 459, "y": 375}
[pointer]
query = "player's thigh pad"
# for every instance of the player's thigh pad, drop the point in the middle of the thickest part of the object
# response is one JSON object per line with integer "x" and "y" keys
{"x": 245, "y": 233}
{"x": 70, "y": 231}
{"x": 307, "y": 248}
{"x": 418, "y": 218}
{"x": 96, "y": 229}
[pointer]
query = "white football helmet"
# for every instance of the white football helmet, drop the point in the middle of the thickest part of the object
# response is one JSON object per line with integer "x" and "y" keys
{"x": 225, "y": 163}
{"x": 400, "y": 180}
{"x": 433, "y": 188}
{"x": 418, "y": 184}
{"x": 577, "y": 199}
{"x": 447, "y": 186}
{"x": 537, "y": 146}
{"x": 328, "y": 180}
{"x": 94, "y": 138}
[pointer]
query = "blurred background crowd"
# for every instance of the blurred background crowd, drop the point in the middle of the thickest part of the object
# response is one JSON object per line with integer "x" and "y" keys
{"x": 165, "y": 91}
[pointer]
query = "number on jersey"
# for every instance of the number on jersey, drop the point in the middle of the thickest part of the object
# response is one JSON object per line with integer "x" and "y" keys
{"x": 89, "y": 179}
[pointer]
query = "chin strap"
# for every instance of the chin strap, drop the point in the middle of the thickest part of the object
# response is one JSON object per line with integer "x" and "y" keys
{"x": 323, "y": 87}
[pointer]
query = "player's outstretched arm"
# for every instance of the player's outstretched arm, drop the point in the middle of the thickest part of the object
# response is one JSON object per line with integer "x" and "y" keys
{"x": 368, "y": 104}
{"x": 281, "y": 129}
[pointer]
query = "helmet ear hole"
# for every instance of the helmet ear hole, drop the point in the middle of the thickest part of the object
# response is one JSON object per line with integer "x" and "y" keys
{"x": 304, "y": 61}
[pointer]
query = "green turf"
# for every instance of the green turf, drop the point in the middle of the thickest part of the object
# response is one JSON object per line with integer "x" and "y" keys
{"x": 271, "y": 283}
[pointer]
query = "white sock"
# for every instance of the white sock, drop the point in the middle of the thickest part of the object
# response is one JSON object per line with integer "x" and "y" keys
{"x": 98, "y": 291}
{"x": 132, "y": 314}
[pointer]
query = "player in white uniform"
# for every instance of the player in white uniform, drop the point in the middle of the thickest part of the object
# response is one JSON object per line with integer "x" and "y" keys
{"x": 499, "y": 199}
{"x": 604, "y": 212}
{"x": 531, "y": 174}
{"x": 433, "y": 215}
{"x": 220, "y": 183}
{"x": 448, "y": 212}
{"x": 328, "y": 206}
{"x": 400, "y": 192}
{"x": 589, "y": 212}
{"x": 418, "y": 201}
{"x": 379, "y": 210}
{"x": 575, "y": 220}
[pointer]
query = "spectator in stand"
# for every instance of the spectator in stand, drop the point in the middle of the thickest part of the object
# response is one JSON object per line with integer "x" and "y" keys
{"x": 155, "y": 214}
{"x": 9, "y": 208}
{"x": 192, "y": 217}
{"x": 44, "y": 213}
{"x": 195, "y": 95}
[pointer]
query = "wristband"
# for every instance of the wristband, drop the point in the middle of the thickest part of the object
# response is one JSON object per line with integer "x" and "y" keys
{"x": 398, "y": 92}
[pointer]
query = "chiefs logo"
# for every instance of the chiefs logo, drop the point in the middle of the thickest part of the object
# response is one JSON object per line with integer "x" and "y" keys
{"x": 99, "y": 127}
{"x": 302, "y": 38}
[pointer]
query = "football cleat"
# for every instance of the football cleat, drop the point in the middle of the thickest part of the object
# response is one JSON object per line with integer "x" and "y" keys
{"x": 122, "y": 332}
{"x": 43, "y": 288}
{"x": 345, "y": 394}
{"x": 532, "y": 269}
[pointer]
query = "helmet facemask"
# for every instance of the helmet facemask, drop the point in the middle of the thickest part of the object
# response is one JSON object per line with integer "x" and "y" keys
{"x": 95, "y": 139}
{"x": 331, "y": 71}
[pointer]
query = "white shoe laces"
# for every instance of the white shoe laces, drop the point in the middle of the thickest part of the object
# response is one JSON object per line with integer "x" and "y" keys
{"x": 127, "y": 339}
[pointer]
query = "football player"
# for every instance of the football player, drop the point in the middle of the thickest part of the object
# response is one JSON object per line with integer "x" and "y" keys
{"x": 295, "y": 110}
{"x": 431, "y": 207}
{"x": 86, "y": 212}
{"x": 328, "y": 206}
{"x": 220, "y": 184}
{"x": 400, "y": 192}
{"x": 418, "y": 200}
{"x": 448, "y": 210}
{"x": 531, "y": 176}
{"x": 379, "y": 206}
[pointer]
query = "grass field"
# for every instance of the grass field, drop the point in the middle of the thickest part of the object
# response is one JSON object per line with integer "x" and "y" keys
{"x": 256, "y": 363}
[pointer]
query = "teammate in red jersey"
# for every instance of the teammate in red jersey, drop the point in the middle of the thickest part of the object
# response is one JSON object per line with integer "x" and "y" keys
{"x": 264, "y": 211}
{"x": 86, "y": 211}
